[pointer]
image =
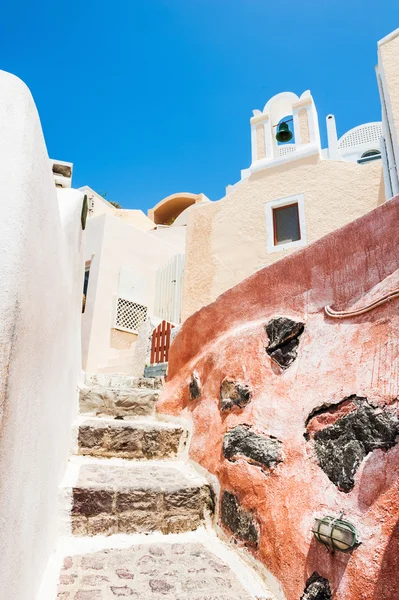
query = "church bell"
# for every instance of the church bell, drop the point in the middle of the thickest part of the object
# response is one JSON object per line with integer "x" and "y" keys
{"x": 283, "y": 133}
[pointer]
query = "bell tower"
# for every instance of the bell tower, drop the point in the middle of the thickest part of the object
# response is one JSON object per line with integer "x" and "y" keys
{"x": 285, "y": 117}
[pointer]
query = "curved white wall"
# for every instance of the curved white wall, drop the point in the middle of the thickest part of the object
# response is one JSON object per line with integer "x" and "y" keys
{"x": 41, "y": 272}
{"x": 355, "y": 142}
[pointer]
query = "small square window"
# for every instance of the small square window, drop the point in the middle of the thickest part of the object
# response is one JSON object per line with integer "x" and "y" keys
{"x": 286, "y": 224}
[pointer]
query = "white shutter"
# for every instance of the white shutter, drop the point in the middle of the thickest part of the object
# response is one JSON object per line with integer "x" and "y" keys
{"x": 131, "y": 302}
{"x": 169, "y": 290}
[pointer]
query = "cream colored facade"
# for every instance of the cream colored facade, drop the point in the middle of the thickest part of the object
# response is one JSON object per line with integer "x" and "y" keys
{"x": 388, "y": 83}
{"x": 221, "y": 243}
{"x": 99, "y": 206}
{"x": 123, "y": 261}
{"x": 230, "y": 239}
{"x": 134, "y": 270}
{"x": 233, "y": 237}
{"x": 227, "y": 240}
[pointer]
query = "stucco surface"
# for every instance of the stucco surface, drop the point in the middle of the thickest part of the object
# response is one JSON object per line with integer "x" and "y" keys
{"x": 135, "y": 217}
{"x": 389, "y": 57}
{"x": 226, "y": 240}
{"x": 349, "y": 268}
{"x": 175, "y": 235}
{"x": 115, "y": 245}
{"x": 97, "y": 204}
{"x": 304, "y": 126}
{"x": 260, "y": 142}
{"x": 41, "y": 270}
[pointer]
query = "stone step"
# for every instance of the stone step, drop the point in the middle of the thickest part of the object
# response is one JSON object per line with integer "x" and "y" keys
{"x": 118, "y": 402}
{"x": 154, "y": 371}
{"x": 134, "y": 439}
{"x": 121, "y": 381}
{"x": 118, "y": 496}
{"x": 154, "y": 569}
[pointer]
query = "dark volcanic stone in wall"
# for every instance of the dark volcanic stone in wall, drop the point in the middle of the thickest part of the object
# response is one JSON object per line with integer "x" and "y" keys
{"x": 342, "y": 446}
{"x": 233, "y": 393}
{"x": 195, "y": 386}
{"x": 283, "y": 334}
{"x": 317, "y": 588}
{"x": 240, "y": 521}
{"x": 242, "y": 442}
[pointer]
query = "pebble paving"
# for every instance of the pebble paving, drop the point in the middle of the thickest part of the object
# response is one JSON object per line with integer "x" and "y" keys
{"x": 149, "y": 572}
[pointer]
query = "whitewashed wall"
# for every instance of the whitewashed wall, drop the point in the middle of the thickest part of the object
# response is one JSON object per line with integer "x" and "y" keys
{"x": 41, "y": 273}
{"x": 116, "y": 246}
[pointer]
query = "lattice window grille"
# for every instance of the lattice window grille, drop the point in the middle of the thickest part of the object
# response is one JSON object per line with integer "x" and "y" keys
{"x": 284, "y": 150}
{"x": 129, "y": 315}
{"x": 362, "y": 135}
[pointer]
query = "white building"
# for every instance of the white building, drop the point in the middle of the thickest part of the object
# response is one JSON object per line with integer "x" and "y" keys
{"x": 361, "y": 144}
{"x": 134, "y": 268}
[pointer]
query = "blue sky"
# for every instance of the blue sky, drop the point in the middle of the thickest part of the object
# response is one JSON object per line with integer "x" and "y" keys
{"x": 154, "y": 97}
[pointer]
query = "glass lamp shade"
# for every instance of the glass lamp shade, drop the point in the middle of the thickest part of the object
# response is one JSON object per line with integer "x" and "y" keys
{"x": 335, "y": 533}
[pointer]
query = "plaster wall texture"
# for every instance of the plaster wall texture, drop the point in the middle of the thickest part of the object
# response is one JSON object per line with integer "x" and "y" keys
{"x": 93, "y": 248}
{"x": 304, "y": 126}
{"x": 349, "y": 268}
{"x": 100, "y": 206}
{"x": 226, "y": 240}
{"x": 260, "y": 142}
{"x": 41, "y": 267}
{"x": 183, "y": 217}
{"x": 172, "y": 235}
{"x": 388, "y": 78}
{"x": 388, "y": 58}
{"x": 142, "y": 348}
{"x": 97, "y": 204}
{"x": 135, "y": 217}
{"x": 116, "y": 244}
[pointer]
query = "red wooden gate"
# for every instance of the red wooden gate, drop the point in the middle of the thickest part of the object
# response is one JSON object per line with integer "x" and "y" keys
{"x": 161, "y": 343}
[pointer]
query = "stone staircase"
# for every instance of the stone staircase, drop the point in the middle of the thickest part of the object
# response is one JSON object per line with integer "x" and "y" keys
{"x": 131, "y": 490}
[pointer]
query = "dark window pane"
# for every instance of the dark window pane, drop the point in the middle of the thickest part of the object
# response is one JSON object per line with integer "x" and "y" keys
{"x": 86, "y": 282}
{"x": 286, "y": 224}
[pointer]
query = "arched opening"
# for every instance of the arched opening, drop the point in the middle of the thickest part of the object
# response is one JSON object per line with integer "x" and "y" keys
{"x": 368, "y": 156}
{"x": 370, "y": 153}
{"x": 167, "y": 211}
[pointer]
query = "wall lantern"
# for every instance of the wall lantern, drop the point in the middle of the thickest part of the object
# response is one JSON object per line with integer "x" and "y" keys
{"x": 335, "y": 533}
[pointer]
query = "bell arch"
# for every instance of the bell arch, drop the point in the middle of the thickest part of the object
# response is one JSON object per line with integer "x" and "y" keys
{"x": 301, "y": 114}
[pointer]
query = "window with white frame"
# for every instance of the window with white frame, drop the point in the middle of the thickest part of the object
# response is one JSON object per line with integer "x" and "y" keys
{"x": 285, "y": 223}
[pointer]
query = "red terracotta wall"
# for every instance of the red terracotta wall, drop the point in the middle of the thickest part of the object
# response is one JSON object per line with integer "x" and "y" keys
{"x": 335, "y": 359}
